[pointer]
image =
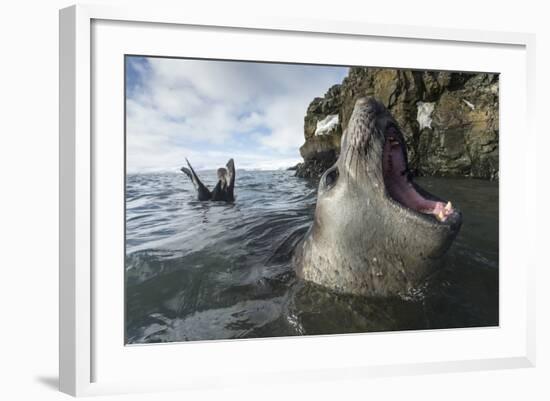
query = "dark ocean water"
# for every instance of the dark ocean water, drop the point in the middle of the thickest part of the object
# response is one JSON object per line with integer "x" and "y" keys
{"x": 206, "y": 270}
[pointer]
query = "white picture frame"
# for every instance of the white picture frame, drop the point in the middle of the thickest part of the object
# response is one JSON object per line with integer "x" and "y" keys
{"x": 82, "y": 343}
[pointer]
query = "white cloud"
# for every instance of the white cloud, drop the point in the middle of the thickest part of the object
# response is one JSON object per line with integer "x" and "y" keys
{"x": 212, "y": 110}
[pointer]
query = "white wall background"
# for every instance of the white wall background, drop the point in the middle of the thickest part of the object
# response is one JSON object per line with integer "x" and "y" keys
{"x": 29, "y": 214}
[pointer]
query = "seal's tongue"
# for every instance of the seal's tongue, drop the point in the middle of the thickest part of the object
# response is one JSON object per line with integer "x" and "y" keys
{"x": 400, "y": 187}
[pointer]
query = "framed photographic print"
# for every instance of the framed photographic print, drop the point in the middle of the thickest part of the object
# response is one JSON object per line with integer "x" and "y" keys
{"x": 289, "y": 200}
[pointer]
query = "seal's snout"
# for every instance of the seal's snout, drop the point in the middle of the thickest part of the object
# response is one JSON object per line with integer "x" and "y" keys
{"x": 366, "y": 101}
{"x": 363, "y": 126}
{"x": 369, "y": 104}
{"x": 362, "y": 101}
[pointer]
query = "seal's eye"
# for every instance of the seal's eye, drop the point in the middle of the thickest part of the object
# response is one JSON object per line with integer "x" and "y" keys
{"x": 331, "y": 176}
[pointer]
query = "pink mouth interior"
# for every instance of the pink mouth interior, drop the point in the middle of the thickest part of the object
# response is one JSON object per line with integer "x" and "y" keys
{"x": 400, "y": 187}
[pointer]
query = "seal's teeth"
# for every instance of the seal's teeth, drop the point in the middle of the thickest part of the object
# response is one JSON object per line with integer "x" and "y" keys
{"x": 441, "y": 216}
{"x": 448, "y": 206}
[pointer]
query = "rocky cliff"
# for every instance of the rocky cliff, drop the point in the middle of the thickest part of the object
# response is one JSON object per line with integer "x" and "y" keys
{"x": 449, "y": 120}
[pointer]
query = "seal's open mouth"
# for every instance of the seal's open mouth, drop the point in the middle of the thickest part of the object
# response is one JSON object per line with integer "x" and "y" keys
{"x": 399, "y": 183}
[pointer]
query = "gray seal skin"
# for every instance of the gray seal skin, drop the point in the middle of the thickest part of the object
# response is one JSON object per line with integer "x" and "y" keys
{"x": 375, "y": 232}
{"x": 224, "y": 189}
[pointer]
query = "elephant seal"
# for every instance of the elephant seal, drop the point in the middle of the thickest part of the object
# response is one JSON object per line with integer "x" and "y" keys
{"x": 224, "y": 189}
{"x": 375, "y": 232}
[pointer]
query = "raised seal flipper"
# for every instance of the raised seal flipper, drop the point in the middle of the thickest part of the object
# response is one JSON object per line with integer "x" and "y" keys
{"x": 203, "y": 192}
{"x": 231, "y": 173}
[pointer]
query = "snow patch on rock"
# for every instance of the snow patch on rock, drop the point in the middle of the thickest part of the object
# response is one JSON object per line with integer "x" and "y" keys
{"x": 327, "y": 124}
{"x": 470, "y": 105}
{"x": 424, "y": 114}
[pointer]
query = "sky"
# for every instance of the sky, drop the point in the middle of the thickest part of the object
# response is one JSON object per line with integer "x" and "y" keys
{"x": 211, "y": 111}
